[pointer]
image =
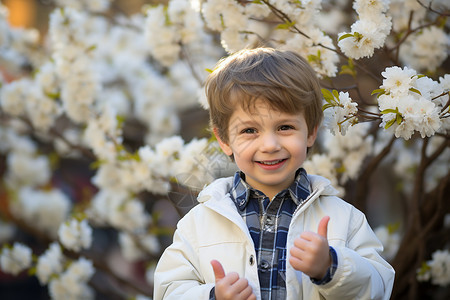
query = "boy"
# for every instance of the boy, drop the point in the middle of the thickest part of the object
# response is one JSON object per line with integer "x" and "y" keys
{"x": 271, "y": 231}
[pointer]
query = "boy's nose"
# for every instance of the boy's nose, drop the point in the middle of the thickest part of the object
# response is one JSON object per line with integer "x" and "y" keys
{"x": 270, "y": 143}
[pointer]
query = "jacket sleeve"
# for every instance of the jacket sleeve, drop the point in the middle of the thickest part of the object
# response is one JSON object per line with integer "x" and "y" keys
{"x": 177, "y": 274}
{"x": 361, "y": 273}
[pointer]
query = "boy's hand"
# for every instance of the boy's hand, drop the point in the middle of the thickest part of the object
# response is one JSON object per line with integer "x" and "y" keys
{"x": 230, "y": 286}
{"x": 310, "y": 253}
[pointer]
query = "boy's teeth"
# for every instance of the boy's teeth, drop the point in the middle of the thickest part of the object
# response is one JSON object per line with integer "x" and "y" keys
{"x": 271, "y": 162}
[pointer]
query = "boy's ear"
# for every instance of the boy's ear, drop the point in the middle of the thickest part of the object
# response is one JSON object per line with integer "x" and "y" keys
{"x": 312, "y": 137}
{"x": 224, "y": 146}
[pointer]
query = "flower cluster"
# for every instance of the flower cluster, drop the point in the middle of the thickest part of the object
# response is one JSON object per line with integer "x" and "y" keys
{"x": 410, "y": 16}
{"x": 234, "y": 23}
{"x": 409, "y": 102}
{"x": 437, "y": 269}
{"x": 343, "y": 156}
{"x": 49, "y": 263}
{"x": 75, "y": 235}
{"x": 15, "y": 259}
{"x": 47, "y": 209}
{"x": 169, "y": 29}
{"x": 73, "y": 282}
{"x": 390, "y": 238}
{"x": 72, "y": 52}
{"x": 369, "y": 32}
{"x": 339, "y": 111}
{"x": 112, "y": 88}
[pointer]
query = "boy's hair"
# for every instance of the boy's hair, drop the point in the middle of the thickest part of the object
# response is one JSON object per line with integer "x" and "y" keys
{"x": 282, "y": 78}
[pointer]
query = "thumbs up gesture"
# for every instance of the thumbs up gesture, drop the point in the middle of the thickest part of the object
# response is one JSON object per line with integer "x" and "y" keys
{"x": 310, "y": 253}
{"x": 230, "y": 286}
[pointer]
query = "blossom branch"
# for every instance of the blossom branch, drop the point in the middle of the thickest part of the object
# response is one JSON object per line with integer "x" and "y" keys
{"x": 443, "y": 14}
{"x": 282, "y": 16}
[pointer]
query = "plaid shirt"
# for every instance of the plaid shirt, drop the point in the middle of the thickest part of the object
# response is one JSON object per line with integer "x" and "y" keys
{"x": 268, "y": 223}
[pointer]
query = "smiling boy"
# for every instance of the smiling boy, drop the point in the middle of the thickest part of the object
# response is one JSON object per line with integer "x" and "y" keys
{"x": 271, "y": 231}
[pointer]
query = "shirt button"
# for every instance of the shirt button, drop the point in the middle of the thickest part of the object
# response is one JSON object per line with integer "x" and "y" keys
{"x": 252, "y": 260}
{"x": 264, "y": 265}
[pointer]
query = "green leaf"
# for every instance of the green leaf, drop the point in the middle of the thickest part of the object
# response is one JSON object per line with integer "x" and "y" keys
{"x": 392, "y": 228}
{"x": 358, "y": 36}
{"x": 53, "y": 96}
{"x": 390, "y": 123}
{"x": 96, "y": 164}
{"x": 336, "y": 94}
{"x": 415, "y": 91}
{"x": 347, "y": 70}
{"x": 399, "y": 118}
{"x": 389, "y": 110}
{"x": 378, "y": 91}
{"x": 32, "y": 271}
{"x": 344, "y": 36}
{"x": 120, "y": 121}
{"x": 424, "y": 268}
{"x": 91, "y": 48}
{"x": 327, "y": 95}
{"x": 286, "y": 25}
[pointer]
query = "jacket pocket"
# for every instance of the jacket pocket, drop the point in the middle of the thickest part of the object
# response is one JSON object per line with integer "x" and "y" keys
{"x": 232, "y": 256}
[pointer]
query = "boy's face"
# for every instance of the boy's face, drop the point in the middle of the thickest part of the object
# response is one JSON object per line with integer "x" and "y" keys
{"x": 268, "y": 146}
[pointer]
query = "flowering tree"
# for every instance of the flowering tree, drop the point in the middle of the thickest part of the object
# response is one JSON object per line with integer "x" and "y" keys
{"x": 107, "y": 94}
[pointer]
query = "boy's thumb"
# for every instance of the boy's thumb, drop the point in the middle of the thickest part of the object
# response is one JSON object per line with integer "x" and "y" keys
{"x": 323, "y": 226}
{"x": 219, "y": 273}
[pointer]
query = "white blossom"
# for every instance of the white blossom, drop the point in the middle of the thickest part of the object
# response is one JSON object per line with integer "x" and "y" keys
{"x": 161, "y": 37}
{"x": 368, "y": 35}
{"x": 431, "y": 40}
{"x": 323, "y": 165}
{"x": 364, "y": 7}
{"x": 49, "y": 263}
{"x": 369, "y": 32}
{"x": 349, "y": 152}
{"x": 438, "y": 269}
{"x": 13, "y": 97}
{"x": 72, "y": 284}
{"x": 69, "y": 32}
{"x": 397, "y": 81}
{"x": 130, "y": 215}
{"x": 390, "y": 241}
{"x": 27, "y": 169}
{"x": 136, "y": 247}
{"x": 339, "y": 116}
{"x": 16, "y": 259}
{"x": 323, "y": 61}
{"x": 47, "y": 209}
{"x": 75, "y": 235}
{"x": 120, "y": 210}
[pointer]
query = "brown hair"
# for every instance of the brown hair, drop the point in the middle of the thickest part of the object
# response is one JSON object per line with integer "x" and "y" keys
{"x": 282, "y": 78}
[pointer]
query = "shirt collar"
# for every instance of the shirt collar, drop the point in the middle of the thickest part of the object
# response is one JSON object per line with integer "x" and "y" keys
{"x": 241, "y": 191}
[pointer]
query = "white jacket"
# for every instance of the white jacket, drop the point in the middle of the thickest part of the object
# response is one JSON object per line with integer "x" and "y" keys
{"x": 215, "y": 230}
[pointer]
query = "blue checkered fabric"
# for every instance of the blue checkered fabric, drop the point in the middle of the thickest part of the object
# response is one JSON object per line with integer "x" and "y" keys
{"x": 268, "y": 224}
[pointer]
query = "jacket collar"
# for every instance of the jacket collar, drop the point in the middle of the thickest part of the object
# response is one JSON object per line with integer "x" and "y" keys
{"x": 241, "y": 192}
{"x": 220, "y": 188}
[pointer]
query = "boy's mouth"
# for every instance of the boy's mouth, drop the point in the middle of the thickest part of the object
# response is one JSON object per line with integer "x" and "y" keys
{"x": 271, "y": 162}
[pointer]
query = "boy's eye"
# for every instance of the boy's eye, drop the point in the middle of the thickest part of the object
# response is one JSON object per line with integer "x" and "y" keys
{"x": 249, "y": 130}
{"x": 286, "y": 127}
